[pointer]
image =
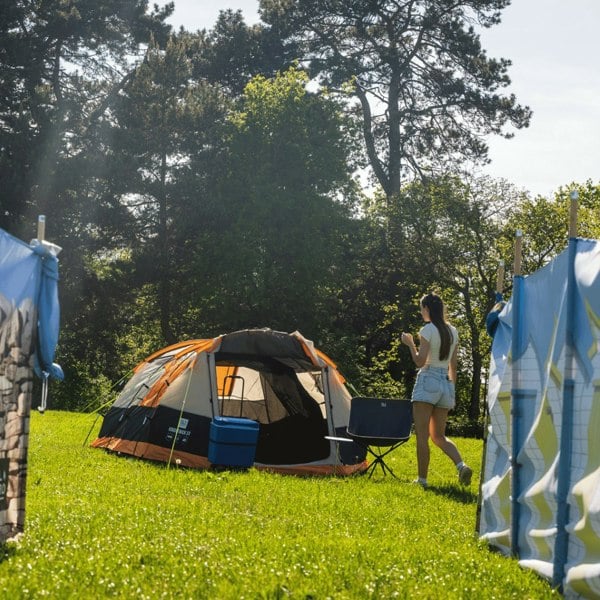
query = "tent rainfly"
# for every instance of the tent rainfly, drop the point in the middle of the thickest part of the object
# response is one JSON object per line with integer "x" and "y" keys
{"x": 280, "y": 380}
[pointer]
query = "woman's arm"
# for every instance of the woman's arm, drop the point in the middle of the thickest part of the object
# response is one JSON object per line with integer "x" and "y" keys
{"x": 419, "y": 356}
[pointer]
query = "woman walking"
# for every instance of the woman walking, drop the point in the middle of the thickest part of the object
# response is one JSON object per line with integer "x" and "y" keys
{"x": 433, "y": 394}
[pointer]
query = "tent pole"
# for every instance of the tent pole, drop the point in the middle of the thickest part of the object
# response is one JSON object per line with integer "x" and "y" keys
{"x": 516, "y": 394}
{"x": 329, "y": 414}
{"x": 561, "y": 546}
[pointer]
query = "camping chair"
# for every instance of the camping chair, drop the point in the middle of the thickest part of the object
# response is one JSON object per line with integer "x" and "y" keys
{"x": 379, "y": 425}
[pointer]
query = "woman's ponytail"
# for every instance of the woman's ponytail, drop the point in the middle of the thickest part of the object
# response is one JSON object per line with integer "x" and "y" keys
{"x": 435, "y": 306}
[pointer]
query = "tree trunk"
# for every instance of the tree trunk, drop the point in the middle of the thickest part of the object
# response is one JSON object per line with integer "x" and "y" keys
{"x": 369, "y": 138}
{"x": 164, "y": 282}
{"x": 394, "y": 143}
{"x": 474, "y": 404}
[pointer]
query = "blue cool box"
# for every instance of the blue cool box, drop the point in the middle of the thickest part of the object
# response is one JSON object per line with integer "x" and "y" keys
{"x": 232, "y": 441}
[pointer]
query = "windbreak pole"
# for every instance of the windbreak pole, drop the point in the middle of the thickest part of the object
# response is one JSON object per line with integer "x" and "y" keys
{"x": 500, "y": 281}
{"x": 573, "y": 210}
{"x": 486, "y": 415}
{"x": 568, "y": 405}
{"x": 516, "y": 392}
{"x": 41, "y": 229}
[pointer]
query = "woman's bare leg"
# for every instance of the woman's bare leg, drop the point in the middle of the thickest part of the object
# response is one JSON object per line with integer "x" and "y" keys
{"x": 422, "y": 412}
{"x": 437, "y": 431}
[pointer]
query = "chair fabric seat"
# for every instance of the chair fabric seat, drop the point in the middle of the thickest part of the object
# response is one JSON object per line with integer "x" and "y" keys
{"x": 377, "y": 423}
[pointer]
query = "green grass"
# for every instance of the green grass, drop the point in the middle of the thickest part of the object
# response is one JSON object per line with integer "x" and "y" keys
{"x": 101, "y": 526}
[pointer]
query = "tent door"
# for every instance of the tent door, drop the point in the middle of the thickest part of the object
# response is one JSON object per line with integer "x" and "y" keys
{"x": 327, "y": 400}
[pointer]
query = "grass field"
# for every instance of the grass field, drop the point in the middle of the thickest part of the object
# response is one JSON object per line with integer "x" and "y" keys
{"x": 103, "y": 526}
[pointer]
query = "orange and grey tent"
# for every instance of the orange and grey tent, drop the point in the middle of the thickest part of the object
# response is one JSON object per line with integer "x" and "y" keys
{"x": 280, "y": 380}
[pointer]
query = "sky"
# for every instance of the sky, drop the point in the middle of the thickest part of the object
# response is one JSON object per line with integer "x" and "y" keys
{"x": 554, "y": 47}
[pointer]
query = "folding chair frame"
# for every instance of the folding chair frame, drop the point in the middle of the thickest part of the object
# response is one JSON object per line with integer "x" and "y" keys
{"x": 379, "y": 456}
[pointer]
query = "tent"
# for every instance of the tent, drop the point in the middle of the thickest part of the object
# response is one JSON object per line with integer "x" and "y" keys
{"x": 540, "y": 499}
{"x": 280, "y": 380}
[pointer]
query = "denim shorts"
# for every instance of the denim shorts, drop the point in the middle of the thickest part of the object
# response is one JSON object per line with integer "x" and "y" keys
{"x": 434, "y": 387}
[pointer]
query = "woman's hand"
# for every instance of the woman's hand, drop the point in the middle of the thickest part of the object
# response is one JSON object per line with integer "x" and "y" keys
{"x": 419, "y": 356}
{"x": 407, "y": 339}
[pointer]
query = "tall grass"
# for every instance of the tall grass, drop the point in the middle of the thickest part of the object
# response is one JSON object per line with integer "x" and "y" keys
{"x": 102, "y": 526}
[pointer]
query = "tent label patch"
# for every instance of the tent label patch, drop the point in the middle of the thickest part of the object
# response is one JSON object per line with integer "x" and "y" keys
{"x": 179, "y": 433}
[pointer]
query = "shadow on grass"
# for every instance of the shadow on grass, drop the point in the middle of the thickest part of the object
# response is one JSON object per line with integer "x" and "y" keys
{"x": 454, "y": 492}
{"x": 7, "y": 550}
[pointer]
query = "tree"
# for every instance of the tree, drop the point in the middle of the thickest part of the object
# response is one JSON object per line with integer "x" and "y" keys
{"x": 440, "y": 235}
{"x": 165, "y": 124}
{"x": 544, "y": 223}
{"x": 232, "y": 52}
{"x": 427, "y": 91}
{"x": 62, "y": 66}
{"x": 286, "y": 191}
{"x": 477, "y": 211}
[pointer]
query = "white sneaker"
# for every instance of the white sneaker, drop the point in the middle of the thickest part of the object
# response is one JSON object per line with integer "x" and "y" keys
{"x": 465, "y": 474}
{"x": 423, "y": 484}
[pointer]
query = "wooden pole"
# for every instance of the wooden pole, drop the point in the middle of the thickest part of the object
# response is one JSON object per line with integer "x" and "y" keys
{"x": 573, "y": 214}
{"x": 500, "y": 277}
{"x": 41, "y": 231}
{"x": 518, "y": 252}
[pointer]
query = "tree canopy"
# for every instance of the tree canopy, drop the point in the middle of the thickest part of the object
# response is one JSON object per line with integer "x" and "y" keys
{"x": 63, "y": 65}
{"x": 427, "y": 92}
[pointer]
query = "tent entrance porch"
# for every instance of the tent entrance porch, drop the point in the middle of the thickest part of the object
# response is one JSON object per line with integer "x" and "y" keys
{"x": 289, "y": 406}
